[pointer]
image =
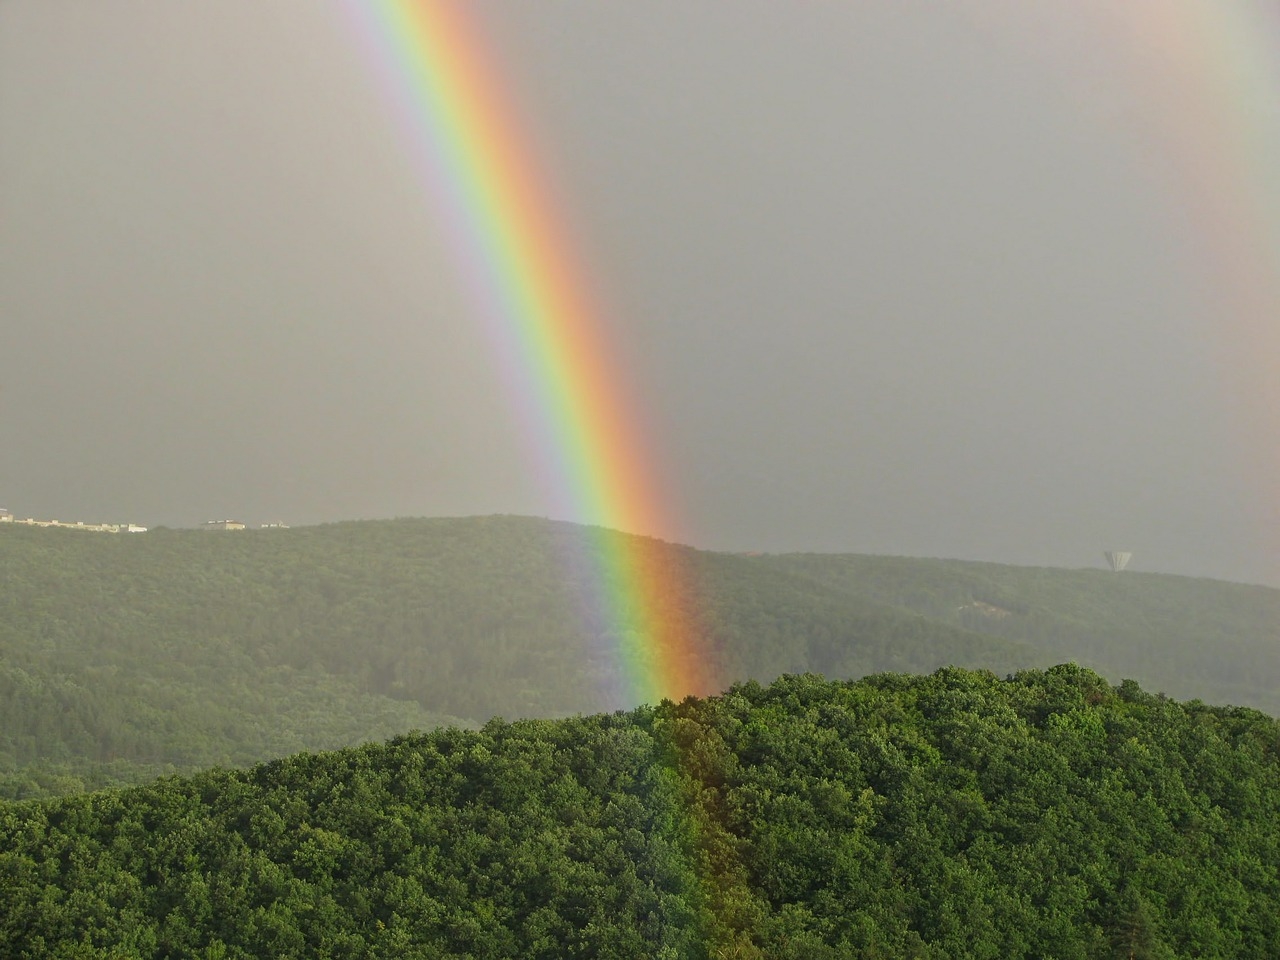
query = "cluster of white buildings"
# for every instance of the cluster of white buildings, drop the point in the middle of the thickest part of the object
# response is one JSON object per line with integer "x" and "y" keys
{"x": 7, "y": 517}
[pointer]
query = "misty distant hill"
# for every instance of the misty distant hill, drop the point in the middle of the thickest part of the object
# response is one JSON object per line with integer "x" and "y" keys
{"x": 123, "y": 657}
{"x": 1183, "y": 636}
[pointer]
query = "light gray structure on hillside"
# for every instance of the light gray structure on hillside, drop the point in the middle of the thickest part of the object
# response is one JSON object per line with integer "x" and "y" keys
{"x": 1118, "y": 559}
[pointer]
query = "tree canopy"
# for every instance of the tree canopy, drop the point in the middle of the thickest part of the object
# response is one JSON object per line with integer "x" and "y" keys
{"x": 127, "y": 657}
{"x": 956, "y": 815}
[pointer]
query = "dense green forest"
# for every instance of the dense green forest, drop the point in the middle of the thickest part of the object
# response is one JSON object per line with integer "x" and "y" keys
{"x": 950, "y": 816}
{"x": 127, "y": 657}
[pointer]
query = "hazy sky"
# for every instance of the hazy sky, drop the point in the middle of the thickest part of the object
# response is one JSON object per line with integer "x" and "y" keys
{"x": 890, "y": 276}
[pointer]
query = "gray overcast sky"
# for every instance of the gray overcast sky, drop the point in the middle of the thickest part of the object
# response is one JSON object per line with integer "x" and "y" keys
{"x": 891, "y": 276}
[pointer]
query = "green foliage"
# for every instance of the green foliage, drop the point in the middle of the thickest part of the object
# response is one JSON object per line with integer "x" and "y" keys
{"x": 123, "y": 658}
{"x": 534, "y": 839}
{"x": 1189, "y": 637}
{"x": 949, "y": 816}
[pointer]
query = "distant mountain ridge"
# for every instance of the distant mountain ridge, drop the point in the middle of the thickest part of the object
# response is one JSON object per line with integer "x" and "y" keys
{"x": 122, "y": 658}
{"x": 1187, "y": 637}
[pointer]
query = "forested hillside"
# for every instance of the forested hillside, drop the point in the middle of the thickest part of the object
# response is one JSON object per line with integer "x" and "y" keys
{"x": 1187, "y": 637}
{"x": 947, "y": 817}
{"x": 123, "y": 657}
{"x": 126, "y": 656}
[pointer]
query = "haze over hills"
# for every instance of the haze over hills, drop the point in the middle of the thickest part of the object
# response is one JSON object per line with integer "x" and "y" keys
{"x": 123, "y": 657}
{"x": 1187, "y": 637}
{"x": 935, "y": 279}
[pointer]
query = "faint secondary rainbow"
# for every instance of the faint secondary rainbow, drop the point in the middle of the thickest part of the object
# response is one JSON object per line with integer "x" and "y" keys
{"x": 1212, "y": 79}
{"x": 521, "y": 268}
{"x": 1194, "y": 87}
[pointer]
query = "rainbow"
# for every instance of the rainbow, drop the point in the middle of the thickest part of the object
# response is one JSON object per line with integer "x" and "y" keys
{"x": 1193, "y": 87}
{"x": 519, "y": 262}
{"x": 1211, "y": 83}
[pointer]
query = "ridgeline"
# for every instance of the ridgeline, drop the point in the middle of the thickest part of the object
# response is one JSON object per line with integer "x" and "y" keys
{"x": 123, "y": 658}
{"x": 950, "y": 816}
